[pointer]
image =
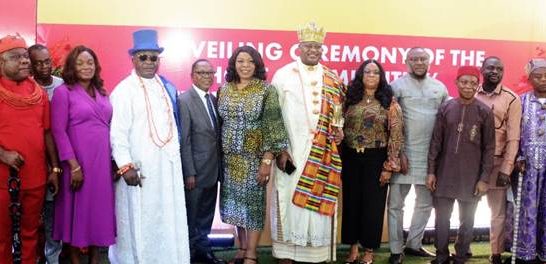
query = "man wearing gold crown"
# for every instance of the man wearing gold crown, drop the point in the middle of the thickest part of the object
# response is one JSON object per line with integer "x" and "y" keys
{"x": 305, "y": 200}
{"x": 24, "y": 138}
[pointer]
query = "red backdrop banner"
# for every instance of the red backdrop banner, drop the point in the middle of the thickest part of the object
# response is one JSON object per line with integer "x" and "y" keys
{"x": 18, "y": 16}
{"x": 343, "y": 52}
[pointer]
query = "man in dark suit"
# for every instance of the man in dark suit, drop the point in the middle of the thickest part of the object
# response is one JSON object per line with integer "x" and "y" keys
{"x": 200, "y": 150}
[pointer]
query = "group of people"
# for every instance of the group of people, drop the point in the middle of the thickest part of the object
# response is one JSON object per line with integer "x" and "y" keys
{"x": 138, "y": 170}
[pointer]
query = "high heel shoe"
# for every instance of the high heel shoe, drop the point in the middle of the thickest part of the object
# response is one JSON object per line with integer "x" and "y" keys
{"x": 351, "y": 260}
{"x": 239, "y": 260}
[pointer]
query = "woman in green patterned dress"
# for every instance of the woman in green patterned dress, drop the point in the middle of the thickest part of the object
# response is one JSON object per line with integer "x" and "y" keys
{"x": 253, "y": 134}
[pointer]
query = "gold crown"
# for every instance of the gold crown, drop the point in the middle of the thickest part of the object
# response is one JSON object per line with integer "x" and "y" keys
{"x": 311, "y": 32}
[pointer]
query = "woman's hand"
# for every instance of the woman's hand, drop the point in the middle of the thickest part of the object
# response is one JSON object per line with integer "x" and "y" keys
{"x": 76, "y": 177}
{"x": 338, "y": 135}
{"x": 404, "y": 164}
{"x": 264, "y": 171}
{"x": 385, "y": 178}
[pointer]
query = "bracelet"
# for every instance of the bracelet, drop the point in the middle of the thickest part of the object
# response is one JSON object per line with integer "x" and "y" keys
{"x": 57, "y": 170}
{"x": 125, "y": 168}
{"x": 79, "y": 168}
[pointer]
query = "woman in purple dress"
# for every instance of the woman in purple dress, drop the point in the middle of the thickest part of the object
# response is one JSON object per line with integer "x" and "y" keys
{"x": 80, "y": 114}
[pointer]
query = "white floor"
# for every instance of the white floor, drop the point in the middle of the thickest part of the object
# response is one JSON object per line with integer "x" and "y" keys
{"x": 482, "y": 218}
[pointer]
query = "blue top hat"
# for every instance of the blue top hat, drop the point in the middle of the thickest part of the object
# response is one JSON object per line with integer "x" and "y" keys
{"x": 145, "y": 39}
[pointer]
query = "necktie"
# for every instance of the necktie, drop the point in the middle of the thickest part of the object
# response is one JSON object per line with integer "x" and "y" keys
{"x": 211, "y": 111}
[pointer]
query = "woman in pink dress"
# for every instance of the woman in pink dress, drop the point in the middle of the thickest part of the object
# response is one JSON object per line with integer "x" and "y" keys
{"x": 81, "y": 114}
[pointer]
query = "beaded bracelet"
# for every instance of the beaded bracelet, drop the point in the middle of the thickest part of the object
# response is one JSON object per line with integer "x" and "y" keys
{"x": 125, "y": 168}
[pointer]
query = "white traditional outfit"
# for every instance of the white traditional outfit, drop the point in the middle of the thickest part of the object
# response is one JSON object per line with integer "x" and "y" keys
{"x": 151, "y": 220}
{"x": 302, "y": 225}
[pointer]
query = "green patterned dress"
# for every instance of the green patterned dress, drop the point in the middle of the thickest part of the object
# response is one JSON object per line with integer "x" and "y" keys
{"x": 252, "y": 124}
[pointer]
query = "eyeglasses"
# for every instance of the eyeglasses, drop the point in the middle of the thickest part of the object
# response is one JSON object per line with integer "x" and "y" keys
{"x": 145, "y": 57}
{"x": 18, "y": 57}
{"x": 205, "y": 73}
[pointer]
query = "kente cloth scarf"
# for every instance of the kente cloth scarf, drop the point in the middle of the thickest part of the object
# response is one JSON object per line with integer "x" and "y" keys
{"x": 319, "y": 184}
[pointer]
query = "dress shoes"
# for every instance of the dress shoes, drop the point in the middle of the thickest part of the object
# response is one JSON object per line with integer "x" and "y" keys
{"x": 396, "y": 259}
{"x": 495, "y": 259}
{"x": 421, "y": 252}
{"x": 435, "y": 261}
{"x": 207, "y": 258}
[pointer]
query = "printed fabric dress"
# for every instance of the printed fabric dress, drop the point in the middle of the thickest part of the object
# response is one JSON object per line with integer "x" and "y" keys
{"x": 532, "y": 216}
{"x": 252, "y": 124}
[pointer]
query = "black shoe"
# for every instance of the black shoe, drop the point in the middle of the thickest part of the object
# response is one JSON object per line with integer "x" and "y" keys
{"x": 495, "y": 259}
{"x": 208, "y": 258}
{"x": 521, "y": 261}
{"x": 435, "y": 261}
{"x": 421, "y": 252}
{"x": 396, "y": 259}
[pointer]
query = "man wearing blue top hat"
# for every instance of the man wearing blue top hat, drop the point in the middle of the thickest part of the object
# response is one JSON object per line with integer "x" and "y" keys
{"x": 150, "y": 202}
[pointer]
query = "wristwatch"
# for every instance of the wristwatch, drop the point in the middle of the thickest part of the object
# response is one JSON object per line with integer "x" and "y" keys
{"x": 57, "y": 170}
{"x": 266, "y": 161}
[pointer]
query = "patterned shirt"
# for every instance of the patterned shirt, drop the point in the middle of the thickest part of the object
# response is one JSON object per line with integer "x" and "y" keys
{"x": 369, "y": 125}
{"x": 252, "y": 119}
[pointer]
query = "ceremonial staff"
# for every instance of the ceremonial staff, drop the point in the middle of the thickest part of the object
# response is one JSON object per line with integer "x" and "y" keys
{"x": 517, "y": 208}
{"x": 14, "y": 186}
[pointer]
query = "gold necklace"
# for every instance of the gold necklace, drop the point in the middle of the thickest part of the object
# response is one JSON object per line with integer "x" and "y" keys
{"x": 368, "y": 98}
{"x": 154, "y": 135}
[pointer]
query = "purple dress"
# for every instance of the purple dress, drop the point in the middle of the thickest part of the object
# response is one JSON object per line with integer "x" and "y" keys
{"x": 81, "y": 128}
{"x": 532, "y": 221}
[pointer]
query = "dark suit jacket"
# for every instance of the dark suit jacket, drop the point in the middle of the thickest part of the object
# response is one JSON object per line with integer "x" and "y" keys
{"x": 200, "y": 146}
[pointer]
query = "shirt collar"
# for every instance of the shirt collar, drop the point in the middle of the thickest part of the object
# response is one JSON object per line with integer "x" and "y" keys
{"x": 200, "y": 92}
{"x": 497, "y": 90}
{"x": 307, "y": 68}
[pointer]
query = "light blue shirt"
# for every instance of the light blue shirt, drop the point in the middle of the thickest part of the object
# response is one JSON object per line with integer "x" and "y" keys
{"x": 54, "y": 84}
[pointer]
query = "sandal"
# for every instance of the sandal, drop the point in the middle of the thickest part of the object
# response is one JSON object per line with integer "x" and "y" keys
{"x": 239, "y": 260}
{"x": 367, "y": 258}
{"x": 353, "y": 260}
